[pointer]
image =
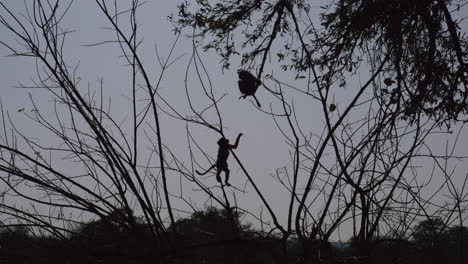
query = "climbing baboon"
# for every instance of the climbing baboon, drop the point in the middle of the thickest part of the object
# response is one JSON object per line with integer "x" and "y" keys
{"x": 221, "y": 161}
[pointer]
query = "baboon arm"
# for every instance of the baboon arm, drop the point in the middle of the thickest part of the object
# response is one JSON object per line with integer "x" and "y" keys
{"x": 237, "y": 142}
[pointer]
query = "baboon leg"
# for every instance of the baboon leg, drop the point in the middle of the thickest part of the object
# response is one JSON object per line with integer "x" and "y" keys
{"x": 227, "y": 176}
{"x": 218, "y": 177}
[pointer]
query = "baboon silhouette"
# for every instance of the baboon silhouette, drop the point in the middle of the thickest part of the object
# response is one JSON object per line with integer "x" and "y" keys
{"x": 248, "y": 85}
{"x": 221, "y": 161}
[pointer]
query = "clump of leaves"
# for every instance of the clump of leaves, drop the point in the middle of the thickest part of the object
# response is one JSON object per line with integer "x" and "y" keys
{"x": 217, "y": 21}
{"x": 427, "y": 52}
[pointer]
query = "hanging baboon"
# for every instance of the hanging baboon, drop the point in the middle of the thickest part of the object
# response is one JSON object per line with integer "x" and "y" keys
{"x": 248, "y": 85}
{"x": 221, "y": 161}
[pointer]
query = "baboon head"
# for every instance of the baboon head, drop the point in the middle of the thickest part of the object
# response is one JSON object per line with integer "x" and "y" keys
{"x": 223, "y": 141}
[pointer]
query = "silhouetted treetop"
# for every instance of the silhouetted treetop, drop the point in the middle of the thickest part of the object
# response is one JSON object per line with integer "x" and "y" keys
{"x": 427, "y": 67}
{"x": 429, "y": 232}
{"x": 210, "y": 224}
{"x": 419, "y": 40}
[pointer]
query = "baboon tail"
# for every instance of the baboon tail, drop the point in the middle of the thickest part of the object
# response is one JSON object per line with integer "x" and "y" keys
{"x": 203, "y": 173}
{"x": 256, "y": 100}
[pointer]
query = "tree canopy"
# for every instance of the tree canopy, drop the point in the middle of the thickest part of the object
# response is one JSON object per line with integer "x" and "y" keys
{"x": 423, "y": 52}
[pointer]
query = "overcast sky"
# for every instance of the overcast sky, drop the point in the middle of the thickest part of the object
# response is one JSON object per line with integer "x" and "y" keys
{"x": 263, "y": 149}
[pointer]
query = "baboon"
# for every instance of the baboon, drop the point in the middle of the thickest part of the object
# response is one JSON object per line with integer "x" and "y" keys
{"x": 221, "y": 161}
{"x": 248, "y": 85}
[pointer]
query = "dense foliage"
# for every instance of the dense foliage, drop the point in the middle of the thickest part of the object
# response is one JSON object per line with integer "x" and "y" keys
{"x": 207, "y": 237}
{"x": 425, "y": 70}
